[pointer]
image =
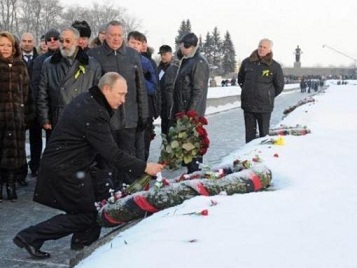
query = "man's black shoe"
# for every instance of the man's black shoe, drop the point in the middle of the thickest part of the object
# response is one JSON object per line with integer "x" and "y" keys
{"x": 35, "y": 253}
{"x": 22, "y": 182}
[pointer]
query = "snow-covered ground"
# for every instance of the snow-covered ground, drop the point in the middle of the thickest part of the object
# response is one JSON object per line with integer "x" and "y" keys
{"x": 306, "y": 219}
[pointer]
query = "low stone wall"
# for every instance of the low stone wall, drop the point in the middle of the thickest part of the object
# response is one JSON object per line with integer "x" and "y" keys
{"x": 222, "y": 101}
{"x": 215, "y": 102}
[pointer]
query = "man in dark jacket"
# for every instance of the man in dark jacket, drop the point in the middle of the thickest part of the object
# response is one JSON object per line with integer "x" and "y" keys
{"x": 165, "y": 52}
{"x": 29, "y": 54}
{"x": 144, "y": 138}
{"x": 261, "y": 79}
{"x": 64, "y": 181}
{"x": 114, "y": 56}
{"x": 52, "y": 41}
{"x": 66, "y": 74}
{"x": 191, "y": 85}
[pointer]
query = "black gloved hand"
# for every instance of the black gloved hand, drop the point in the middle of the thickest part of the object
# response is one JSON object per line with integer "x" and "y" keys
{"x": 147, "y": 76}
{"x": 142, "y": 124}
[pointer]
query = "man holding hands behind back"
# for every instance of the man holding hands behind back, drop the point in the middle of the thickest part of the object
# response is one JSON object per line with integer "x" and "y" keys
{"x": 261, "y": 79}
{"x": 64, "y": 180}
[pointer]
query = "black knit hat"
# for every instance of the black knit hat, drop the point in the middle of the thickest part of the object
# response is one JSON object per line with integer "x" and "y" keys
{"x": 189, "y": 40}
{"x": 83, "y": 28}
{"x": 52, "y": 33}
{"x": 164, "y": 49}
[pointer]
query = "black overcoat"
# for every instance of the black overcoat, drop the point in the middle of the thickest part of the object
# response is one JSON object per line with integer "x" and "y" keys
{"x": 261, "y": 81}
{"x": 64, "y": 179}
{"x": 125, "y": 61}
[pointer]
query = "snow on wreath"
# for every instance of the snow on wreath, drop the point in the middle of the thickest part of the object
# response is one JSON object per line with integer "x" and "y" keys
{"x": 186, "y": 139}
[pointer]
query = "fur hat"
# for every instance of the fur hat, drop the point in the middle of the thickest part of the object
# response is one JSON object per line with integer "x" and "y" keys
{"x": 189, "y": 40}
{"x": 83, "y": 28}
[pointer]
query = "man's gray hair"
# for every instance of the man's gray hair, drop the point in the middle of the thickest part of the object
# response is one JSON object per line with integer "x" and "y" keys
{"x": 115, "y": 23}
{"x": 73, "y": 30}
{"x": 109, "y": 79}
{"x": 268, "y": 41}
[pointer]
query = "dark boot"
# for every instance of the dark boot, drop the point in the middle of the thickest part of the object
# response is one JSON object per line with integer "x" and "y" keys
{"x": 21, "y": 175}
{"x": 11, "y": 187}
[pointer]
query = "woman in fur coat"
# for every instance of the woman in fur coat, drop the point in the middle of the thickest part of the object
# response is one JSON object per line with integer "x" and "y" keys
{"x": 15, "y": 113}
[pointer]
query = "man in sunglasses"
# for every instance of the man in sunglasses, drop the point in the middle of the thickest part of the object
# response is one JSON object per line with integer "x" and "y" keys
{"x": 66, "y": 74}
{"x": 52, "y": 41}
{"x": 191, "y": 85}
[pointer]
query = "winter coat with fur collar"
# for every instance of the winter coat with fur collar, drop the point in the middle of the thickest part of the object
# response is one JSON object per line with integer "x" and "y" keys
{"x": 16, "y": 111}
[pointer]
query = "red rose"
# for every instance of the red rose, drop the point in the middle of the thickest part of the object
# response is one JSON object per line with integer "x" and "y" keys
{"x": 191, "y": 113}
{"x": 180, "y": 115}
{"x": 203, "y": 120}
{"x": 205, "y": 140}
{"x": 201, "y": 131}
{"x": 203, "y": 150}
{"x": 204, "y": 212}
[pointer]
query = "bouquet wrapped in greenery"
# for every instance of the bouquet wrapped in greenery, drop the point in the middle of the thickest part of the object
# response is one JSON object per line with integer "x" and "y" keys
{"x": 185, "y": 140}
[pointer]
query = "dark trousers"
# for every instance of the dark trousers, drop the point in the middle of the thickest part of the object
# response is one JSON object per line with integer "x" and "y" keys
{"x": 48, "y": 134}
{"x": 251, "y": 121}
{"x": 140, "y": 150}
{"x": 83, "y": 227}
{"x": 148, "y": 137}
{"x": 125, "y": 138}
{"x": 165, "y": 125}
{"x": 35, "y": 137}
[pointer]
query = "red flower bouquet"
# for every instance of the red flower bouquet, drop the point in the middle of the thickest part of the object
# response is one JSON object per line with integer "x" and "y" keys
{"x": 186, "y": 140}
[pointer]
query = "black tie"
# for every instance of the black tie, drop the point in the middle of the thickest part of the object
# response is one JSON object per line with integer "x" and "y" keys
{"x": 28, "y": 59}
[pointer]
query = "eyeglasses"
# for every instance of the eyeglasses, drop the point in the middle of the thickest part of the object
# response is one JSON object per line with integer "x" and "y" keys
{"x": 67, "y": 41}
{"x": 52, "y": 39}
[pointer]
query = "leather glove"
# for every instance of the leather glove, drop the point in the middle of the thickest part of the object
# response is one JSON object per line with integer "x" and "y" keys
{"x": 147, "y": 76}
{"x": 142, "y": 124}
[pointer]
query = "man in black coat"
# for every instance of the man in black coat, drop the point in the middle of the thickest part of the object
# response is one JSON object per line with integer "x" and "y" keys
{"x": 115, "y": 56}
{"x": 191, "y": 85}
{"x": 52, "y": 41}
{"x": 165, "y": 52}
{"x": 64, "y": 181}
{"x": 29, "y": 54}
{"x": 261, "y": 79}
{"x": 64, "y": 75}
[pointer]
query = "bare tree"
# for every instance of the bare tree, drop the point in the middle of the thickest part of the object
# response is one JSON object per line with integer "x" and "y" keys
{"x": 8, "y": 16}
{"x": 38, "y": 16}
{"x": 29, "y": 16}
{"x": 98, "y": 15}
{"x": 51, "y": 15}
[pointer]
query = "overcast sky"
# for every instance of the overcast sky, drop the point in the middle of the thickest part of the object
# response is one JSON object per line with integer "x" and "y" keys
{"x": 289, "y": 23}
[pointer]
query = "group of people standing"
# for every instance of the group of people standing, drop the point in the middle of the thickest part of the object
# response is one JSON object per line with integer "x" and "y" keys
{"x": 97, "y": 106}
